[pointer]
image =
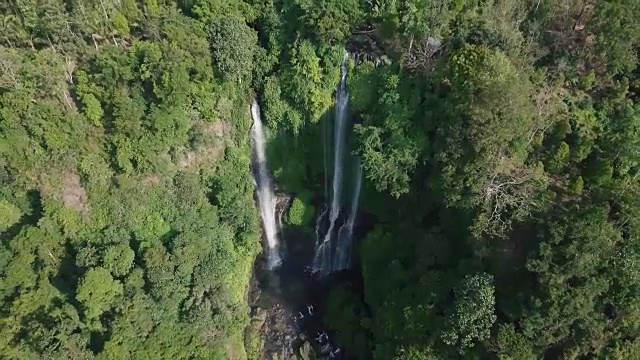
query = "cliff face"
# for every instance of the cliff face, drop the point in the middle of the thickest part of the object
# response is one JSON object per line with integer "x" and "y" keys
{"x": 283, "y": 203}
{"x": 273, "y": 331}
{"x": 367, "y": 46}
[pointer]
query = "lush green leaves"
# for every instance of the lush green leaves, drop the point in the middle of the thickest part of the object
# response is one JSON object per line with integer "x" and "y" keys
{"x": 499, "y": 142}
{"x": 389, "y": 144}
{"x": 331, "y": 21}
{"x": 473, "y": 312}
{"x": 98, "y": 292}
{"x": 305, "y": 83}
{"x": 111, "y": 244}
{"x": 300, "y": 213}
{"x": 233, "y": 46}
{"x": 118, "y": 259}
{"x": 10, "y": 214}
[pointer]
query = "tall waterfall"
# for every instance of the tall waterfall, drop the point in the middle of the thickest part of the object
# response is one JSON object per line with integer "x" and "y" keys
{"x": 333, "y": 249}
{"x": 266, "y": 197}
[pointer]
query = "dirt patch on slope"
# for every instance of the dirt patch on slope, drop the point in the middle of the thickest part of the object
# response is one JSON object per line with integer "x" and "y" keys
{"x": 208, "y": 144}
{"x": 74, "y": 195}
{"x": 151, "y": 179}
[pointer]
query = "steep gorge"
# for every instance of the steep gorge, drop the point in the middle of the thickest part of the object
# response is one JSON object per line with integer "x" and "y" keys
{"x": 288, "y": 299}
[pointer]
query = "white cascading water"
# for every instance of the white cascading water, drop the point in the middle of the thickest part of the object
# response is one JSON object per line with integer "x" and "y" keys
{"x": 342, "y": 99}
{"x": 345, "y": 235}
{"x": 266, "y": 197}
{"x": 324, "y": 261}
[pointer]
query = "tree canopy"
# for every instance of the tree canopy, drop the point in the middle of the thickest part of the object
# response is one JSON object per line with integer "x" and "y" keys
{"x": 499, "y": 142}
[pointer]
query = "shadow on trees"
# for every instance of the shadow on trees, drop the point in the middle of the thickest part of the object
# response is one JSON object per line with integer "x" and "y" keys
{"x": 30, "y": 218}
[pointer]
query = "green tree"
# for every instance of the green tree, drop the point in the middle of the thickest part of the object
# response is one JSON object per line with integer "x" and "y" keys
{"x": 512, "y": 345}
{"x": 363, "y": 87}
{"x": 472, "y": 315}
{"x": 92, "y": 108}
{"x": 304, "y": 82}
{"x": 120, "y": 24}
{"x": 331, "y": 21}
{"x": 568, "y": 264}
{"x": 98, "y": 292}
{"x": 345, "y": 313}
{"x": 300, "y": 213}
{"x": 388, "y": 142}
{"x": 481, "y": 147}
{"x": 118, "y": 259}
{"x": 577, "y": 185}
{"x": 107, "y": 222}
{"x": 233, "y": 47}
{"x": 10, "y": 214}
{"x": 559, "y": 158}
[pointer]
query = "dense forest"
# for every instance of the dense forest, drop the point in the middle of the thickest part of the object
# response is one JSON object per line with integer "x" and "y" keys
{"x": 499, "y": 141}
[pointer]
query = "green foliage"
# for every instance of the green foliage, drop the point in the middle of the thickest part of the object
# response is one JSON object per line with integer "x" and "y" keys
{"x": 511, "y": 345}
{"x": 98, "y": 292}
{"x": 278, "y": 113}
{"x": 500, "y": 142}
{"x": 473, "y": 313}
{"x": 489, "y": 115}
{"x": 305, "y": 84}
{"x": 233, "y": 47}
{"x": 118, "y": 259}
{"x": 114, "y": 248}
{"x": 600, "y": 171}
{"x": 576, "y": 186}
{"x": 344, "y": 313}
{"x": 10, "y": 214}
{"x": 407, "y": 298}
{"x": 300, "y": 213}
{"x": 481, "y": 142}
{"x": 121, "y": 24}
{"x": 389, "y": 144}
{"x": 253, "y": 337}
{"x": 567, "y": 265}
{"x": 415, "y": 353}
{"x": 331, "y": 21}
{"x": 92, "y": 109}
{"x": 609, "y": 19}
{"x": 363, "y": 87}
{"x": 559, "y": 158}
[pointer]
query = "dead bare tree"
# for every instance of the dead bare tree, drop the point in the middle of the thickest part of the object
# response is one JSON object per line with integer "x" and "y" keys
{"x": 9, "y": 66}
{"x": 68, "y": 68}
{"x": 420, "y": 54}
{"x": 567, "y": 31}
{"x": 508, "y": 193}
{"x": 550, "y": 108}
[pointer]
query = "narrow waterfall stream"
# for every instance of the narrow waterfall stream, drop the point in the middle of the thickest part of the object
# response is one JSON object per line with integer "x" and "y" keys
{"x": 333, "y": 249}
{"x": 266, "y": 197}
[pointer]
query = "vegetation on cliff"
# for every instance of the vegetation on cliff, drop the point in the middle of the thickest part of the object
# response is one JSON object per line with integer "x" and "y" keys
{"x": 499, "y": 141}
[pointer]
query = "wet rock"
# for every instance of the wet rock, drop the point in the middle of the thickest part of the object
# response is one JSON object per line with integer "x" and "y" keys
{"x": 253, "y": 340}
{"x": 325, "y": 349}
{"x": 366, "y": 46}
{"x": 283, "y": 203}
{"x": 306, "y": 352}
{"x": 254, "y": 291}
{"x": 279, "y": 333}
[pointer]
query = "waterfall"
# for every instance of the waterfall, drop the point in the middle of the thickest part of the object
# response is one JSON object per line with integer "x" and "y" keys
{"x": 342, "y": 98}
{"x": 333, "y": 255}
{"x": 266, "y": 197}
{"x": 345, "y": 235}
